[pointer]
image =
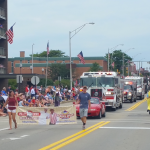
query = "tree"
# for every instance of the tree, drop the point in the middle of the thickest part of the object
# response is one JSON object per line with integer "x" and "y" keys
{"x": 55, "y": 70}
{"x": 117, "y": 58}
{"x": 64, "y": 82}
{"x": 95, "y": 67}
{"x": 52, "y": 53}
{"x": 13, "y": 83}
{"x": 42, "y": 82}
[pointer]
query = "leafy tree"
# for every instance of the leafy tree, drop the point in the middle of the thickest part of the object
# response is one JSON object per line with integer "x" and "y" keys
{"x": 95, "y": 67}
{"x": 117, "y": 58}
{"x": 13, "y": 83}
{"x": 52, "y": 53}
{"x": 42, "y": 82}
{"x": 55, "y": 70}
{"x": 64, "y": 82}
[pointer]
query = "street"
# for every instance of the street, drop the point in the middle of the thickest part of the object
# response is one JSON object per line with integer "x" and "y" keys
{"x": 123, "y": 129}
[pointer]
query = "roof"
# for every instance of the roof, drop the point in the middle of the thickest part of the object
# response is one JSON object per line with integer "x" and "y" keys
{"x": 56, "y": 58}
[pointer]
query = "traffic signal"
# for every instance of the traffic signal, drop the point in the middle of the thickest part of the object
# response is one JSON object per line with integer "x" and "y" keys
{"x": 117, "y": 70}
{"x": 126, "y": 68}
{"x": 127, "y": 72}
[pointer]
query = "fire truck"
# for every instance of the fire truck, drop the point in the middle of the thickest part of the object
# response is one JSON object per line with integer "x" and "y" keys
{"x": 140, "y": 85}
{"x": 105, "y": 85}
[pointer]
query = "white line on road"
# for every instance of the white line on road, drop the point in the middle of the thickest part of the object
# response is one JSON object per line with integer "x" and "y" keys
{"x": 137, "y": 128}
{"x": 24, "y": 136}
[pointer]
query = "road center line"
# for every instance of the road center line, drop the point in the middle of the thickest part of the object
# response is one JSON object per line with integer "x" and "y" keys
{"x": 135, "y": 128}
{"x": 136, "y": 105}
{"x": 78, "y": 137}
{"x": 69, "y": 137}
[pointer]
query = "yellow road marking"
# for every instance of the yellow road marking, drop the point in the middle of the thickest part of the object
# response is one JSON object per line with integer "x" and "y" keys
{"x": 69, "y": 137}
{"x": 136, "y": 105}
{"x": 78, "y": 137}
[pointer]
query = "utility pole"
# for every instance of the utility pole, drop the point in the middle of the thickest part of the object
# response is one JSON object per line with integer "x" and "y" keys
{"x": 108, "y": 60}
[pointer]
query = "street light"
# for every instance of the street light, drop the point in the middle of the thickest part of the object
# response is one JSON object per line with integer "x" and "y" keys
{"x": 139, "y": 65}
{"x": 128, "y": 62}
{"x": 32, "y": 58}
{"x": 112, "y": 49}
{"x": 42, "y": 70}
{"x": 70, "y": 37}
{"x": 133, "y": 58}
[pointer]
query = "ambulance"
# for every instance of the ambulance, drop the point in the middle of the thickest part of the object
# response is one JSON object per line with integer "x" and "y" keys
{"x": 105, "y": 85}
{"x": 140, "y": 85}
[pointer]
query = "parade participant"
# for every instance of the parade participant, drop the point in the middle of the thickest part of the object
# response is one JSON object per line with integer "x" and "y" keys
{"x": 12, "y": 104}
{"x": 53, "y": 117}
{"x": 84, "y": 101}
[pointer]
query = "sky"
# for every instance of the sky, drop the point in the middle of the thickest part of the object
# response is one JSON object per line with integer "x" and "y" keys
{"x": 116, "y": 22}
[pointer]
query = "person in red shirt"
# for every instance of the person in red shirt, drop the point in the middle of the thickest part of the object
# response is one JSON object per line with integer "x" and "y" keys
{"x": 73, "y": 88}
{"x": 27, "y": 90}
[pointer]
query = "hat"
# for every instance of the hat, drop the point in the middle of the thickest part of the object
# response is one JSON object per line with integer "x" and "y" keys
{"x": 84, "y": 87}
{"x": 69, "y": 91}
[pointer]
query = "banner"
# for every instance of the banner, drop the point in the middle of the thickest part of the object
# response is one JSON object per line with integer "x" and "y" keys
{"x": 46, "y": 115}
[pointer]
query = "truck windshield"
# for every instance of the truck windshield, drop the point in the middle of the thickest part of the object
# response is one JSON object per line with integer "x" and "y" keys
{"x": 139, "y": 82}
{"x": 89, "y": 81}
{"x": 105, "y": 82}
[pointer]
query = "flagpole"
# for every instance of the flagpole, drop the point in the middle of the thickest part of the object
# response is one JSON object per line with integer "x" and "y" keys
{"x": 108, "y": 59}
{"x": 47, "y": 63}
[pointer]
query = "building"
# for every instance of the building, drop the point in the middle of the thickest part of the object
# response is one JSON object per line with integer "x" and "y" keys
{"x": 3, "y": 42}
{"x": 23, "y": 65}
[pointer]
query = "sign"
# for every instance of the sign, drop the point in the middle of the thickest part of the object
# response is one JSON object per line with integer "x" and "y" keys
{"x": 35, "y": 80}
{"x": 19, "y": 78}
{"x": 46, "y": 115}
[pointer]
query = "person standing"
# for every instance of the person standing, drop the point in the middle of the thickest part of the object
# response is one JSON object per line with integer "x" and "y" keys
{"x": 84, "y": 101}
{"x": 12, "y": 104}
{"x": 53, "y": 117}
{"x": 33, "y": 92}
{"x": 8, "y": 90}
{"x": 27, "y": 90}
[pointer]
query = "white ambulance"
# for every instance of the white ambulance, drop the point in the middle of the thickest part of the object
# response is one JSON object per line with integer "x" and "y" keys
{"x": 105, "y": 85}
{"x": 140, "y": 85}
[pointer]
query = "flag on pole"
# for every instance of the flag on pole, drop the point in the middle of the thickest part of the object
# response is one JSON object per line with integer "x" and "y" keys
{"x": 113, "y": 64}
{"x": 10, "y": 35}
{"x": 80, "y": 55}
{"x": 48, "y": 48}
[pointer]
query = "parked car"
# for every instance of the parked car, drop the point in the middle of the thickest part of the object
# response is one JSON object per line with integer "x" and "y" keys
{"x": 97, "y": 108}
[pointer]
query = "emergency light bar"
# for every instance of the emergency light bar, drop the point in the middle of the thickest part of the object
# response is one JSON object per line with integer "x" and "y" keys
{"x": 130, "y": 83}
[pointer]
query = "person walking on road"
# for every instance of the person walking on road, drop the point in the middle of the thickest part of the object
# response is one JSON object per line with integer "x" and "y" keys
{"x": 84, "y": 101}
{"x": 12, "y": 104}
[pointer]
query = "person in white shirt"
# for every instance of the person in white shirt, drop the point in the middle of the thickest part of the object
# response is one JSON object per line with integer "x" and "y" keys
{"x": 43, "y": 117}
{"x": 33, "y": 92}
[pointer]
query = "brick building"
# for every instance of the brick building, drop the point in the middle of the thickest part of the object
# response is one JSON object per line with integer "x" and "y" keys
{"x": 23, "y": 65}
{"x": 3, "y": 42}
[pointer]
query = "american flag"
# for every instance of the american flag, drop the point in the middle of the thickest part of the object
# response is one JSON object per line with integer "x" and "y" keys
{"x": 80, "y": 55}
{"x": 48, "y": 48}
{"x": 113, "y": 64}
{"x": 10, "y": 35}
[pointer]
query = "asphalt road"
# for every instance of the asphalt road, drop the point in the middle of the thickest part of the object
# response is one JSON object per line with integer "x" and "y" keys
{"x": 119, "y": 130}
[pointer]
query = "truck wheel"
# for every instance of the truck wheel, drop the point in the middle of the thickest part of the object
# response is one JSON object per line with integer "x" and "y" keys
{"x": 131, "y": 100}
{"x": 114, "y": 109}
{"x": 100, "y": 115}
{"x": 120, "y": 105}
{"x": 135, "y": 99}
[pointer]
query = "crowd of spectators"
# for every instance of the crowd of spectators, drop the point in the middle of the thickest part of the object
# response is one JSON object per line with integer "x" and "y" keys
{"x": 42, "y": 97}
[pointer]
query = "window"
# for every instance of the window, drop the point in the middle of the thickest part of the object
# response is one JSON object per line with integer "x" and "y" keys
{"x": 12, "y": 64}
{"x": 79, "y": 61}
{"x": 28, "y": 61}
{"x": 63, "y": 62}
{"x": 55, "y": 61}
